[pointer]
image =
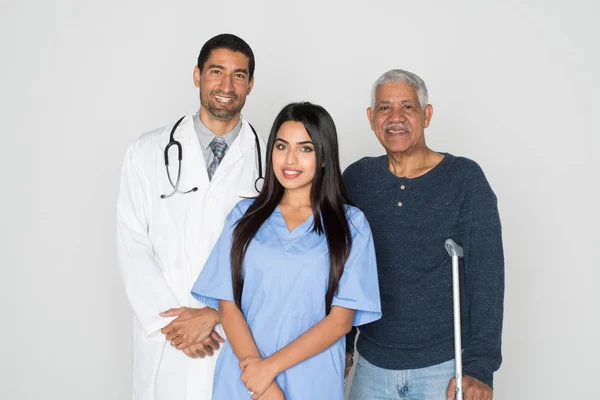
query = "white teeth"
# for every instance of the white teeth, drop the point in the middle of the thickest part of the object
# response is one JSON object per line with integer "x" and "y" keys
{"x": 285, "y": 171}
{"x": 223, "y": 99}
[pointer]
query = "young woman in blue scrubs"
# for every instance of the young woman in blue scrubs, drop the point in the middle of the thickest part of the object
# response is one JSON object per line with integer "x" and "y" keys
{"x": 293, "y": 270}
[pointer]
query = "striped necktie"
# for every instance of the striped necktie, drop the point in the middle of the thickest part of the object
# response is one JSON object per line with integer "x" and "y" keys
{"x": 218, "y": 147}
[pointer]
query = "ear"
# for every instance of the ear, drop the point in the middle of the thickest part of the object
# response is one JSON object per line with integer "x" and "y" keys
{"x": 428, "y": 115}
{"x": 250, "y": 86}
{"x": 197, "y": 77}
{"x": 370, "y": 117}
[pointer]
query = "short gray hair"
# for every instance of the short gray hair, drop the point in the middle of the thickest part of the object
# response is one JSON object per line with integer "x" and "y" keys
{"x": 400, "y": 75}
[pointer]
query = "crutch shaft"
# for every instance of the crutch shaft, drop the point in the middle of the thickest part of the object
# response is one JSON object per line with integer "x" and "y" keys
{"x": 455, "y": 251}
{"x": 457, "y": 331}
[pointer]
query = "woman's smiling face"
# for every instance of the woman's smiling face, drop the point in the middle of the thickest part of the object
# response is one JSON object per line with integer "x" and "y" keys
{"x": 294, "y": 156}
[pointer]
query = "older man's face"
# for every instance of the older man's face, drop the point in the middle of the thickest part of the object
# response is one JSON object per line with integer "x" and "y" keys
{"x": 398, "y": 120}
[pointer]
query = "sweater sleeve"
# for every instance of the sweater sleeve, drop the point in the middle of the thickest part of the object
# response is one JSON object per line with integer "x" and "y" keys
{"x": 481, "y": 237}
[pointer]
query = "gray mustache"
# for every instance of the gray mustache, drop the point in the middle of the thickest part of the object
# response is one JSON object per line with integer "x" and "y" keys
{"x": 396, "y": 125}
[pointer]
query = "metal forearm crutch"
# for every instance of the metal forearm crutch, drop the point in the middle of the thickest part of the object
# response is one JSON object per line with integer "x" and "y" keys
{"x": 455, "y": 251}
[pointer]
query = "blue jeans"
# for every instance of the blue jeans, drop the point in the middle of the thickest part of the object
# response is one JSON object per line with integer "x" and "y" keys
{"x": 374, "y": 383}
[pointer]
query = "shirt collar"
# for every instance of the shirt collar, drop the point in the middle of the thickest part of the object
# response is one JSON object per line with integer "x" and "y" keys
{"x": 206, "y": 136}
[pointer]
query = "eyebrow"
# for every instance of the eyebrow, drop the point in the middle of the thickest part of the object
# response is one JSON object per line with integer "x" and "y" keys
{"x": 286, "y": 142}
{"x": 403, "y": 101}
{"x": 217, "y": 66}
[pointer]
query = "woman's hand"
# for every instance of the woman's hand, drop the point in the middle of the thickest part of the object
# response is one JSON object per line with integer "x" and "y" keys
{"x": 257, "y": 374}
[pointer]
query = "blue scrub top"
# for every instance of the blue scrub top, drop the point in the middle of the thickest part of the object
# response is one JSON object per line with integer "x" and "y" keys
{"x": 285, "y": 281}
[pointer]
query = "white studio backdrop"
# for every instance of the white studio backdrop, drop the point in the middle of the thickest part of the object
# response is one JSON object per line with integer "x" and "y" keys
{"x": 513, "y": 84}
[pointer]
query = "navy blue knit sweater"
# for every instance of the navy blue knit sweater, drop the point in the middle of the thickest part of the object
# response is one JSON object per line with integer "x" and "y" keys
{"x": 410, "y": 220}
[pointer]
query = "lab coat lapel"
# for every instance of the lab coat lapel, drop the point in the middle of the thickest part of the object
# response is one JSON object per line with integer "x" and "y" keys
{"x": 204, "y": 222}
{"x": 193, "y": 174}
{"x": 193, "y": 166}
{"x": 239, "y": 147}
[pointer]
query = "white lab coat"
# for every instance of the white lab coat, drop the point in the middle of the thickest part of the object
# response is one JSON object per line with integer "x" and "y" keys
{"x": 164, "y": 243}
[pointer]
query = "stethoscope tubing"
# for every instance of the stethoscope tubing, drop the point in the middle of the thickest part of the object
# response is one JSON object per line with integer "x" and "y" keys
{"x": 173, "y": 142}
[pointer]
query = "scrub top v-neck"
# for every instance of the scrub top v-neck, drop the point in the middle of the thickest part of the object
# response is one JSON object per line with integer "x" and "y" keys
{"x": 285, "y": 281}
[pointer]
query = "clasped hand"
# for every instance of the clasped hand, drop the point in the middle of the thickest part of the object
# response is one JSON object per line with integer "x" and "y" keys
{"x": 193, "y": 331}
{"x": 258, "y": 376}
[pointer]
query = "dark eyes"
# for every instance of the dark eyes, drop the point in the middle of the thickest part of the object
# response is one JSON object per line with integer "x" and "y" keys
{"x": 304, "y": 149}
{"x": 407, "y": 107}
{"x": 219, "y": 72}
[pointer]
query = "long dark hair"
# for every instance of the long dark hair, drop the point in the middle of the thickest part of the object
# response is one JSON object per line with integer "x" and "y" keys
{"x": 327, "y": 195}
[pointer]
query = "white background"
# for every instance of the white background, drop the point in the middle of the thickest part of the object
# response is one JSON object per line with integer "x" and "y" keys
{"x": 514, "y": 85}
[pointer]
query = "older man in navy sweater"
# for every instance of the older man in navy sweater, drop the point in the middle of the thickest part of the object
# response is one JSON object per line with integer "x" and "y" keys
{"x": 414, "y": 199}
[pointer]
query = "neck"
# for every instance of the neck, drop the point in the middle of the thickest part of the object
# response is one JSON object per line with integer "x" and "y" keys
{"x": 296, "y": 198}
{"x": 410, "y": 164}
{"x": 217, "y": 126}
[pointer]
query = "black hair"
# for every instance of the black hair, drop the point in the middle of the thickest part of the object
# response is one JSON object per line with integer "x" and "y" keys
{"x": 229, "y": 42}
{"x": 328, "y": 197}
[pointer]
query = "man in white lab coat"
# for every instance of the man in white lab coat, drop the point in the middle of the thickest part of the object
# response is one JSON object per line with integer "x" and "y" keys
{"x": 170, "y": 214}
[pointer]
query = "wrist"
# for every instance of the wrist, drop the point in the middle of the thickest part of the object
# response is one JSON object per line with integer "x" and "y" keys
{"x": 212, "y": 314}
{"x": 273, "y": 366}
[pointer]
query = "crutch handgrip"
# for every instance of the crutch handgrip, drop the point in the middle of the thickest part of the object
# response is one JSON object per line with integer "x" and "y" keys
{"x": 455, "y": 251}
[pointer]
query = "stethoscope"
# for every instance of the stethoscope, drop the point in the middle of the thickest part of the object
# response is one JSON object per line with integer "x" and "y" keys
{"x": 173, "y": 142}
